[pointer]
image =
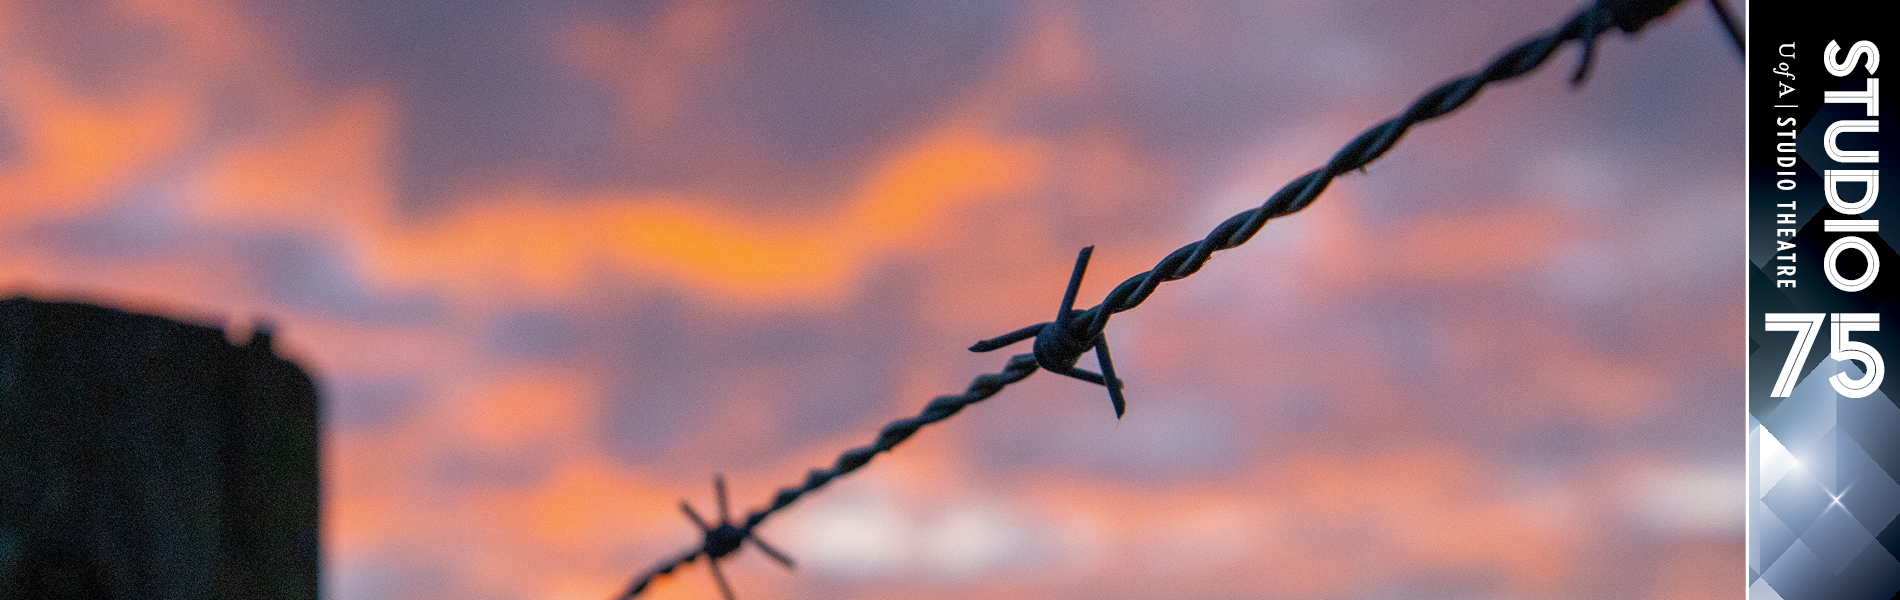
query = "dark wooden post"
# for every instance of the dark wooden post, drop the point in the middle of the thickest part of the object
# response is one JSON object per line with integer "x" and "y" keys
{"x": 142, "y": 457}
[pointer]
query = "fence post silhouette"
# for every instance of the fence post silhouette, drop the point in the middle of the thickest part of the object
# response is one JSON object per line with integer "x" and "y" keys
{"x": 142, "y": 457}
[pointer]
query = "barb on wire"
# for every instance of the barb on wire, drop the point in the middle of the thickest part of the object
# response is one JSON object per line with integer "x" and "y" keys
{"x": 726, "y": 538}
{"x": 1061, "y": 343}
{"x": 1055, "y": 348}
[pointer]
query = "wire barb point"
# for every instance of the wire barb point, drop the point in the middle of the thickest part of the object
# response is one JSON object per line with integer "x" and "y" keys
{"x": 1062, "y": 342}
{"x": 724, "y": 538}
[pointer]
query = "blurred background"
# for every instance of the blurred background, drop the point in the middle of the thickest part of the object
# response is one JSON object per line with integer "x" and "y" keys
{"x": 555, "y": 263}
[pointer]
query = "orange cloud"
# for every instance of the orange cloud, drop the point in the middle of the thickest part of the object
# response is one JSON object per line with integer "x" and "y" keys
{"x": 77, "y": 151}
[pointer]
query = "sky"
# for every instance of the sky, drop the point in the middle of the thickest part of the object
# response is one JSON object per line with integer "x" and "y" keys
{"x": 554, "y": 264}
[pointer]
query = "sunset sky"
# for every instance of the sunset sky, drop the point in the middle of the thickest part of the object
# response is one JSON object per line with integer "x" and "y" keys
{"x": 554, "y": 264}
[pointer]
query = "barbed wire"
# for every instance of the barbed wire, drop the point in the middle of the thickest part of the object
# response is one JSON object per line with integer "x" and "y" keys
{"x": 1060, "y": 343}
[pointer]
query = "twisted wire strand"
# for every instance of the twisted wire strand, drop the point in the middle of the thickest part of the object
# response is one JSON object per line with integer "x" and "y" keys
{"x": 665, "y": 567}
{"x": 1585, "y": 26}
{"x": 1086, "y": 326}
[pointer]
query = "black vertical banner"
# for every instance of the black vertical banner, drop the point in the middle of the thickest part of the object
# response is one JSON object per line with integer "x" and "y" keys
{"x": 1823, "y": 431}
